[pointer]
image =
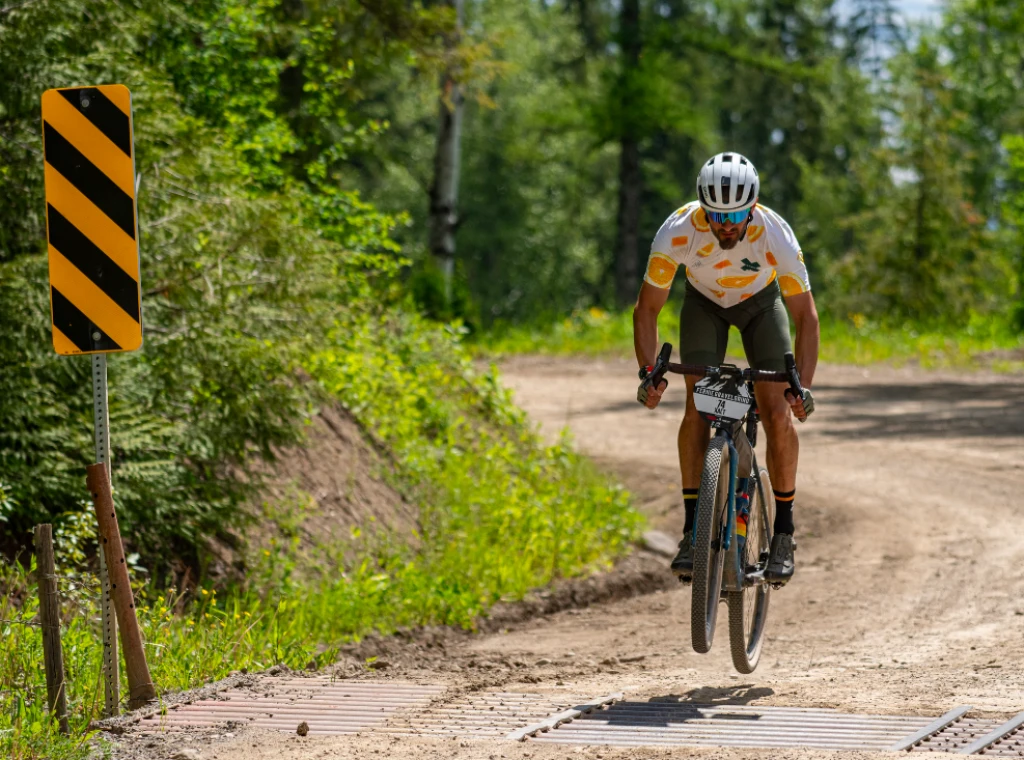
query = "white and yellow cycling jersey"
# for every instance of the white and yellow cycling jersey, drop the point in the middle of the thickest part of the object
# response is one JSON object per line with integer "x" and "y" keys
{"x": 768, "y": 251}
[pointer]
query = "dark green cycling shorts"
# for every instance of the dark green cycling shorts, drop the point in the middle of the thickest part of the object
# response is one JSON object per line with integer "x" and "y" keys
{"x": 761, "y": 319}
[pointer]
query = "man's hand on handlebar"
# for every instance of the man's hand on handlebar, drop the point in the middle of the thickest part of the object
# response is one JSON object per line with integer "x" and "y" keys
{"x": 801, "y": 407}
{"x": 648, "y": 395}
{"x": 654, "y": 384}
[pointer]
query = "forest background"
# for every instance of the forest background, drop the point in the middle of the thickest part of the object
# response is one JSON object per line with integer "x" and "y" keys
{"x": 336, "y": 195}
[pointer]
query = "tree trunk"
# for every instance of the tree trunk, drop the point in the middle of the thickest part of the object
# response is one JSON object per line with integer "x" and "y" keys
{"x": 628, "y": 242}
{"x": 444, "y": 189}
{"x": 630, "y": 176}
{"x": 585, "y": 20}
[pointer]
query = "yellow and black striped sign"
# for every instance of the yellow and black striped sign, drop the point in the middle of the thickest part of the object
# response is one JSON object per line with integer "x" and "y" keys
{"x": 91, "y": 227}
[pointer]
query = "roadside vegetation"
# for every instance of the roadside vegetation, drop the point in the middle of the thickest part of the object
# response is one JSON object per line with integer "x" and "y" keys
{"x": 982, "y": 343}
{"x": 501, "y": 514}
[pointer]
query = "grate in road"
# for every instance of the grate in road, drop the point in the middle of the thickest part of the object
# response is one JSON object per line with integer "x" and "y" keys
{"x": 490, "y": 714}
{"x": 344, "y": 707}
{"x": 975, "y": 736}
{"x": 327, "y": 706}
{"x": 672, "y": 723}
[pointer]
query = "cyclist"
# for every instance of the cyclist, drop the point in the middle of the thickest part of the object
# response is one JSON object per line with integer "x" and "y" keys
{"x": 740, "y": 259}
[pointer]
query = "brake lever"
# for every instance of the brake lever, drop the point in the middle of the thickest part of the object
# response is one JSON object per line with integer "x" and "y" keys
{"x": 656, "y": 375}
{"x": 794, "y": 379}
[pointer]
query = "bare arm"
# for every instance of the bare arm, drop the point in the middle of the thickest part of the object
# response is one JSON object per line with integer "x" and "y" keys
{"x": 645, "y": 323}
{"x": 805, "y": 318}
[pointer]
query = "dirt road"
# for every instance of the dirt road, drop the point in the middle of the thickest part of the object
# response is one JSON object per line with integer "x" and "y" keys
{"x": 909, "y": 595}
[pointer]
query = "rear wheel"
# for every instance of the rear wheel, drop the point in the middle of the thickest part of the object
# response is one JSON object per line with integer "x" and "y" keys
{"x": 708, "y": 557}
{"x": 748, "y": 609}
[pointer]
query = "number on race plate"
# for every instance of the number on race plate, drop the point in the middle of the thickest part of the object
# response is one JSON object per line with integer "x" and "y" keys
{"x": 726, "y": 399}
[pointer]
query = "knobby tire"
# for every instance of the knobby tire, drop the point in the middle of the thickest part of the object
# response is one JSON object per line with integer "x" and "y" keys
{"x": 748, "y": 609}
{"x": 708, "y": 562}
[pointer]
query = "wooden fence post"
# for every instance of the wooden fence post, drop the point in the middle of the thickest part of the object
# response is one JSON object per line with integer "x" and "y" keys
{"x": 140, "y": 685}
{"x": 49, "y": 618}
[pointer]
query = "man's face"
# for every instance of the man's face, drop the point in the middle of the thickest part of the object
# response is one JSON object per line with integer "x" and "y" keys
{"x": 727, "y": 233}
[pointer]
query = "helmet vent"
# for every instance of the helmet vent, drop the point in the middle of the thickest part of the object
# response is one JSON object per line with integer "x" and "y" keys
{"x": 727, "y": 158}
{"x": 743, "y": 161}
{"x": 725, "y": 190}
{"x": 711, "y": 192}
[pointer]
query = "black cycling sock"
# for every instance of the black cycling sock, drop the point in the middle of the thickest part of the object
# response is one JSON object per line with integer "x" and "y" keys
{"x": 690, "y": 505}
{"x": 783, "y": 511}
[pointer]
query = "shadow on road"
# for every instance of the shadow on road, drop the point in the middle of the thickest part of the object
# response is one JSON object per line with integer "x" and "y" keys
{"x": 676, "y": 709}
{"x": 932, "y": 410}
{"x": 892, "y": 410}
{"x": 740, "y": 694}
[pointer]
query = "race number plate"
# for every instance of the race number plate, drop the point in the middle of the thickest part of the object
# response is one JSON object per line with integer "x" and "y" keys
{"x": 723, "y": 399}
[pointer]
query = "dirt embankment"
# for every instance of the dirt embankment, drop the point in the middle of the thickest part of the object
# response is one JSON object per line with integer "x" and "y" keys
{"x": 339, "y": 479}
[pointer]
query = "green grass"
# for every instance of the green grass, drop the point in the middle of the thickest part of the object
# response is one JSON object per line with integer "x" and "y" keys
{"x": 501, "y": 514}
{"x": 980, "y": 342}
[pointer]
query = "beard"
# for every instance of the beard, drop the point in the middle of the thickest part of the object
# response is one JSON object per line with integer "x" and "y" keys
{"x": 728, "y": 243}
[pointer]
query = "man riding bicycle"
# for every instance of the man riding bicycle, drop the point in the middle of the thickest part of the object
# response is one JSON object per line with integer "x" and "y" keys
{"x": 740, "y": 260}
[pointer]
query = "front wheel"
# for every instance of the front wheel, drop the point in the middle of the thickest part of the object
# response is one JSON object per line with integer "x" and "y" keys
{"x": 748, "y": 609}
{"x": 708, "y": 557}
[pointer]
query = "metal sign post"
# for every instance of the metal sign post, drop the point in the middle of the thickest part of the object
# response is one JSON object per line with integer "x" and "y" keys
{"x": 101, "y": 429}
{"x": 92, "y": 234}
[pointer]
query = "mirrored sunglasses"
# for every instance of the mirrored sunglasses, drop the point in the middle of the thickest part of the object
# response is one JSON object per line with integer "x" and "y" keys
{"x": 721, "y": 217}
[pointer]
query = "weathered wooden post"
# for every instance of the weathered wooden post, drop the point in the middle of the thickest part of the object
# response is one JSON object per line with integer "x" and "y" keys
{"x": 140, "y": 685}
{"x": 49, "y": 618}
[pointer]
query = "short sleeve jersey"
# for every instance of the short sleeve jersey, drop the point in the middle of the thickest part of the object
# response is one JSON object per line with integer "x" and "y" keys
{"x": 769, "y": 251}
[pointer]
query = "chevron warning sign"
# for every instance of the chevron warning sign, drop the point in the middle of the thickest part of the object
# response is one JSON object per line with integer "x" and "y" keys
{"x": 91, "y": 223}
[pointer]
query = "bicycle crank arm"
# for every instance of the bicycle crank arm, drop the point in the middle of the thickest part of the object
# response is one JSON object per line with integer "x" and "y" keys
{"x": 755, "y": 578}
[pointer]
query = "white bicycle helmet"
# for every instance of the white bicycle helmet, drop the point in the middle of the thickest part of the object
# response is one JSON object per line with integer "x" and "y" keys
{"x": 727, "y": 182}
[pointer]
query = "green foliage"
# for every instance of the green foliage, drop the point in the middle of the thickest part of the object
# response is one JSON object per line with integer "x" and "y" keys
{"x": 239, "y": 279}
{"x": 925, "y": 250}
{"x": 1014, "y": 213}
{"x": 885, "y": 155}
{"x": 855, "y": 339}
{"x": 590, "y": 332}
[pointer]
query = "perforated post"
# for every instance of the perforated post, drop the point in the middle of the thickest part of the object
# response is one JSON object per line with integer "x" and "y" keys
{"x": 101, "y": 428}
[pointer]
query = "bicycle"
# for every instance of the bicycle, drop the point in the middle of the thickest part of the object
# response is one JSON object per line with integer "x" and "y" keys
{"x": 728, "y": 561}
